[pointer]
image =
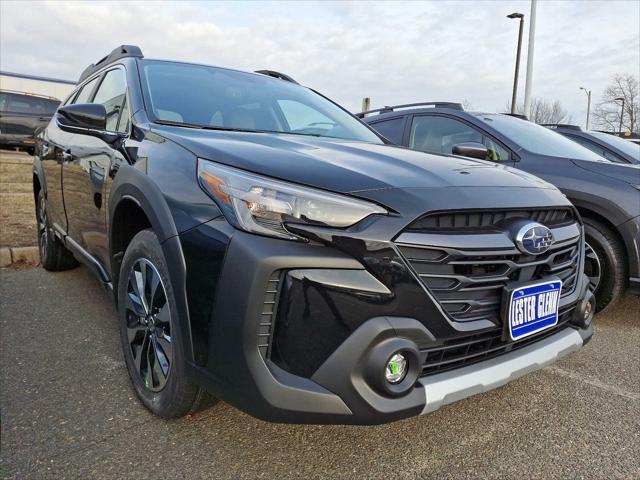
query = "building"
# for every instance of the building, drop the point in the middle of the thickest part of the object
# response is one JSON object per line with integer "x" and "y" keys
{"x": 50, "y": 87}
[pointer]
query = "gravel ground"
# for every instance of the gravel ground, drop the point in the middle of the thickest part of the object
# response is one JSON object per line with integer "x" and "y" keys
{"x": 68, "y": 410}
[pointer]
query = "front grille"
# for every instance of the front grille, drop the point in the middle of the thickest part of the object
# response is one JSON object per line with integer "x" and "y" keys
{"x": 489, "y": 220}
{"x": 468, "y": 284}
{"x": 482, "y": 346}
{"x": 268, "y": 314}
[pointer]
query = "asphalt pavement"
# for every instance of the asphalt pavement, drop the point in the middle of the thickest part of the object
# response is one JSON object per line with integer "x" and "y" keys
{"x": 68, "y": 411}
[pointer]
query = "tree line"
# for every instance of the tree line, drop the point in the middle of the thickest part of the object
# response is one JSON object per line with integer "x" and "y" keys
{"x": 605, "y": 112}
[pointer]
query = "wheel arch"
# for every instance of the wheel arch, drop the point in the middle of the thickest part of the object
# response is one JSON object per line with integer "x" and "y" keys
{"x": 136, "y": 203}
{"x": 586, "y": 212}
{"x": 39, "y": 181}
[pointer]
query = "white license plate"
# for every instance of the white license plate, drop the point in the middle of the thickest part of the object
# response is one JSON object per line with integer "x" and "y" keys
{"x": 533, "y": 308}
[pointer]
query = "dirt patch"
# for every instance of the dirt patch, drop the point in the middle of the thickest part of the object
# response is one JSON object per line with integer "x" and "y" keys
{"x": 17, "y": 209}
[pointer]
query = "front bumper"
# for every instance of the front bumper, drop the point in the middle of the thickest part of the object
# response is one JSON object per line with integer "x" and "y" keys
{"x": 331, "y": 336}
{"x": 455, "y": 385}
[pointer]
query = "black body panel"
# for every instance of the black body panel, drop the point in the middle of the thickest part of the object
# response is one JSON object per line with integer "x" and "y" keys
{"x": 287, "y": 330}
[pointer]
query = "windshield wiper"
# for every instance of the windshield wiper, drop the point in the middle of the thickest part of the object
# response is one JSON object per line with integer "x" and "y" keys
{"x": 208, "y": 127}
{"x": 232, "y": 129}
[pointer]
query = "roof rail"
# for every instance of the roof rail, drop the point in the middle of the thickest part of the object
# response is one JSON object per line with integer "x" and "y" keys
{"x": 387, "y": 109}
{"x": 274, "y": 74}
{"x": 561, "y": 125}
{"x": 121, "y": 52}
{"x": 19, "y": 92}
{"x": 516, "y": 115}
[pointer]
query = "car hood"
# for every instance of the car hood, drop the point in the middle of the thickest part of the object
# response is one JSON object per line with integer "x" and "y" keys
{"x": 342, "y": 165}
{"x": 624, "y": 172}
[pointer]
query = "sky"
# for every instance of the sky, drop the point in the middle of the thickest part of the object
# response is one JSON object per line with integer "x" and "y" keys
{"x": 393, "y": 52}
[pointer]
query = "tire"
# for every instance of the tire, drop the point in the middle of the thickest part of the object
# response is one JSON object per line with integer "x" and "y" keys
{"x": 604, "y": 251}
{"x": 150, "y": 331}
{"x": 54, "y": 256}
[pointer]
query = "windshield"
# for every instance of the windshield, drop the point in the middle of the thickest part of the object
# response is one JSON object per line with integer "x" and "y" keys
{"x": 537, "y": 139}
{"x": 625, "y": 146}
{"x": 210, "y": 97}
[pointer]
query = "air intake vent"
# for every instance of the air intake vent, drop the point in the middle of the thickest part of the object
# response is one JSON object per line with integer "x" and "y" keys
{"x": 268, "y": 315}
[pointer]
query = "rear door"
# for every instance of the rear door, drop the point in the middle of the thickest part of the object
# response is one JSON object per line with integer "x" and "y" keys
{"x": 89, "y": 163}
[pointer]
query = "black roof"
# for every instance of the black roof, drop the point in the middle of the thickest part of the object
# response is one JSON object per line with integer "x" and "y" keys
{"x": 121, "y": 52}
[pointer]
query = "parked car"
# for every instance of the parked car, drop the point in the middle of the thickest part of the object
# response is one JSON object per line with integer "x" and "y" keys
{"x": 612, "y": 147}
{"x": 606, "y": 194}
{"x": 264, "y": 245}
{"x": 21, "y": 114}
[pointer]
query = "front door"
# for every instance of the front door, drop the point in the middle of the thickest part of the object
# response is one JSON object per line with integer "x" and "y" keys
{"x": 439, "y": 134}
{"x": 90, "y": 160}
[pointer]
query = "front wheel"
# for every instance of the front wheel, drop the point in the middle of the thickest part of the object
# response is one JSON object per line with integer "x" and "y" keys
{"x": 150, "y": 331}
{"x": 604, "y": 263}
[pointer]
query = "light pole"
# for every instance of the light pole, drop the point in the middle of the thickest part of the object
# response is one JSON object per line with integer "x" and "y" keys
{"x": 528, "y": 87}
{"x": 621, "y": 99}
{"x": 588, "y": 92}
{"x": 515, "y": 76}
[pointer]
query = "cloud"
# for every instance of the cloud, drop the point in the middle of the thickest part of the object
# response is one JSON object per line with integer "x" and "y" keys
{"x": 394, "y": 52}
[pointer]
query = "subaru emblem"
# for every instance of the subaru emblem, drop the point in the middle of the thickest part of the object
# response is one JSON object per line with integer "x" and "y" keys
{"x": 534, "y": 239}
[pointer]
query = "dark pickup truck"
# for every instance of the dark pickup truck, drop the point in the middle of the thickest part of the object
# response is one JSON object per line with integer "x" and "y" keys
{"x": 21, "y": 115}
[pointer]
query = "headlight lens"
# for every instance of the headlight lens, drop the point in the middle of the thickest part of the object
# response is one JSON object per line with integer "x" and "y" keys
{"x": 262, "y": 205}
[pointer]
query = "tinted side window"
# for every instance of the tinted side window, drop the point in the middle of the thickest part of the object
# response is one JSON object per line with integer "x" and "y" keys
{"x": 436, "y": 134}
{"x": 439, "y": 134}
{"x": 16, "y": 103}
{"x": 391, "y": 129}
{"x": 50, "y": 106}
{"x": 111, "y": 93}
{"x": 595, "y": 148}
{"x": 4, "y": 100}
{"x": 85, "y": 93}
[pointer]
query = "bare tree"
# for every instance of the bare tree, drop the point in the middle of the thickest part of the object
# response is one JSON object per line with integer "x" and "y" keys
{"x": 466, "y": 104}
{"x": 544, "y": 111}
{"x": 606, "y": 113}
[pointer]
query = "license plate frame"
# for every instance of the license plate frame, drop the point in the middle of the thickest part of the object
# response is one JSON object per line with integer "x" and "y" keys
{"x": 516, "y": 319}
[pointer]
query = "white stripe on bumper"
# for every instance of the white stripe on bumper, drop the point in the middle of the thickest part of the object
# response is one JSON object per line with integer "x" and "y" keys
{"x": 449, "y": 387}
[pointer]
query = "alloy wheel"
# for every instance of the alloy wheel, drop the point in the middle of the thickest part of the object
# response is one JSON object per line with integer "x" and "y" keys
{"x": 43, "y": 229}
{"x": 149, "y": 325}
{"x": 592, "y": 267}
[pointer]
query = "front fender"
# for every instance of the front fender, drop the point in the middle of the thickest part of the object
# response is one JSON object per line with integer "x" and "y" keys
{"x": 131, "y": 184}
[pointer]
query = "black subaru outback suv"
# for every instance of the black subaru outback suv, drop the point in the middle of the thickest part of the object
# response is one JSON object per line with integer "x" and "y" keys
{"x": 266, "y": 246}
{"x": 606, "y": 194}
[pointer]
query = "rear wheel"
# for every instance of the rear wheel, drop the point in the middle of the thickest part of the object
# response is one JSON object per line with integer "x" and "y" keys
{"x": 604, "y": 263}
{"x": 54, "y": 256}
{"x": 150, "y": 331}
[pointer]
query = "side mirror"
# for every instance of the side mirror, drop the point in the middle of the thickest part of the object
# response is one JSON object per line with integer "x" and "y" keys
{"x": 86, "y": 119}
{"x": 471, "y": 149}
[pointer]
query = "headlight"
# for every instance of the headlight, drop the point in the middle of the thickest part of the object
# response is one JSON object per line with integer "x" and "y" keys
{"x": 262, "y": 205}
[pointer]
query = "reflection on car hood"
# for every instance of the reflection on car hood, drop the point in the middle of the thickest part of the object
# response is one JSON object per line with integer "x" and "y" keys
{"x": 620, "y": 171}
{"x": 343, "y": 165}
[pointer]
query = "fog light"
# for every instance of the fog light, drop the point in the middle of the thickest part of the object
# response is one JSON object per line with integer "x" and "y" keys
{"x": 588, "y": 309}
{"x": 396, "y": 368}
